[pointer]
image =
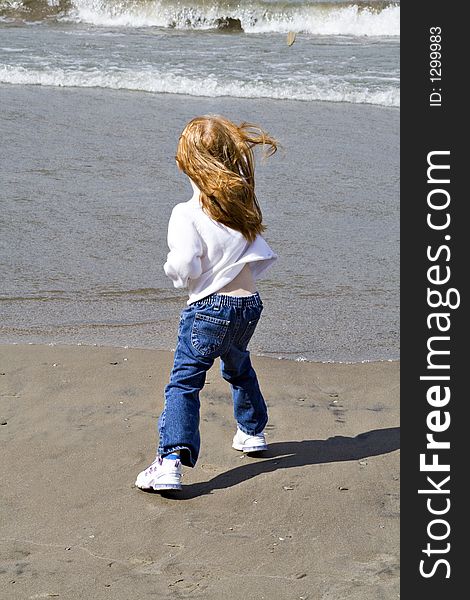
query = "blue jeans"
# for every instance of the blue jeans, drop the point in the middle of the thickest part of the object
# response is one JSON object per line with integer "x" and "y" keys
{"x": 218, "y": 325}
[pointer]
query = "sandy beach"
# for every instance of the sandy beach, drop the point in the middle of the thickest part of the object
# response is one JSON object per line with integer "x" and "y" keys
{"x": 315, "y": 517}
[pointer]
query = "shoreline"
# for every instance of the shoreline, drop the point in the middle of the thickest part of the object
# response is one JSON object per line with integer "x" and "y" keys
{"x": 299, "y": 359}
{"x": 324, "y": 103}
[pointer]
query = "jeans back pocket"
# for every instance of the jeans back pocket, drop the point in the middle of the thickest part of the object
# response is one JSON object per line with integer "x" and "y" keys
{"x": 208, "y": 334}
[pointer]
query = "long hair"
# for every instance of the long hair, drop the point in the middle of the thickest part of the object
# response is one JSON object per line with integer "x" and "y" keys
{"x": 218, "y": 156}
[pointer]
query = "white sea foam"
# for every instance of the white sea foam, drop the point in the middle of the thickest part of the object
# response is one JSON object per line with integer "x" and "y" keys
{"x": 254, "y": 17}
{"x": 153, "y": 81}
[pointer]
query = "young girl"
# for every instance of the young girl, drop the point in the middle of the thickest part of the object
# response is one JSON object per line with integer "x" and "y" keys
{"x": 217, "y": 252}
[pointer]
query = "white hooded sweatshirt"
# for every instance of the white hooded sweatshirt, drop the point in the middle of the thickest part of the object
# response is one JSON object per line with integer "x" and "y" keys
{"x": 205, "y": 255}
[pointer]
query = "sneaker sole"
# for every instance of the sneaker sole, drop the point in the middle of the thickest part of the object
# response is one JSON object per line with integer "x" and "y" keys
{"x": 167, "y": 486}
{"x": 161, "y": 486}
{"x": 250, "y": 449}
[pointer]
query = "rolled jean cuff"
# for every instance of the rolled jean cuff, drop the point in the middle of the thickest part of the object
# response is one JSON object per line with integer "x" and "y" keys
{"x": 186, "y": 456}
{"x": 256, "y": 432}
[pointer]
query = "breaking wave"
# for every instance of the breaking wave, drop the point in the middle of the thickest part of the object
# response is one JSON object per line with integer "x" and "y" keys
{"x": 326, "y": 89}
{"x": 360, "y": 18}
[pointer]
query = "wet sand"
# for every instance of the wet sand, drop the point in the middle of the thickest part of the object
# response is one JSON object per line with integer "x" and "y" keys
{"x": 315, "y": 517}
{"x": 85, "y": 221}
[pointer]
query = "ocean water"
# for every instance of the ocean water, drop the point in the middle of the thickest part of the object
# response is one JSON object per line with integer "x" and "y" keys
{"x": 344, "y": 52}
{"x": 93, "y": 96}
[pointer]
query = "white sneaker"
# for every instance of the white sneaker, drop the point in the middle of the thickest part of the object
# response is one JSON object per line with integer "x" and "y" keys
{"x": 163, "y": 474}
{"x": 249, "y": 443}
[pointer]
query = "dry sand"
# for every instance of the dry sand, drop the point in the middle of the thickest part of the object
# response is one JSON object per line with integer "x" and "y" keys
{"x": 315, "y": 517}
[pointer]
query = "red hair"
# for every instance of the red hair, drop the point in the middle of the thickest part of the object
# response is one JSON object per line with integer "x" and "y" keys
{"x": 218, "y": 156}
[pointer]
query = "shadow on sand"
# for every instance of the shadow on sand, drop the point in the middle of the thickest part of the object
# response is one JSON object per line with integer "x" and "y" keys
{"x": 284, "y": 455}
